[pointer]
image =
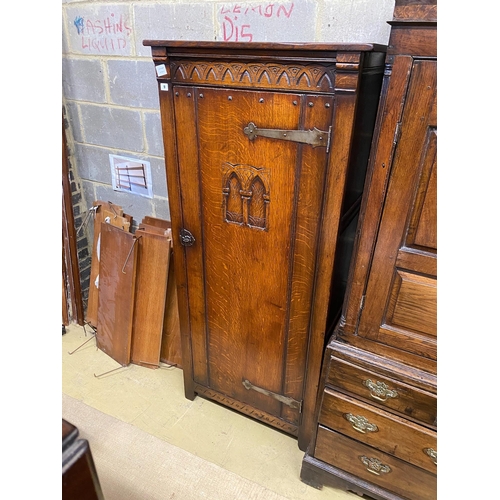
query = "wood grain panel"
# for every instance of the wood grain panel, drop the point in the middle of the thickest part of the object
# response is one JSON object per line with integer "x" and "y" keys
{"x": 410, "y": 401}
{"x": 171, "y": 349}
{"x": 247, "y": 268}
{"x": 380, "y": 429}
{"x": 157, "y": 222}
{"x": 413, "y": 303}
{"x": 393, "y": 87}
{"x": 115, "y": 214}
{"x": 338, "y": 162}
{"x": 149, "y": 228}
{"x": 402, "y": 478}
{"x": 192, "y": 214}
{"x": 311, "y": 187}
{"x": 175, "y": 205}
{"x": 117, "y": 275}
{"x": 410, "y": 178}
{"x": 422, "y": 230}
{"x": 150, "y": 297}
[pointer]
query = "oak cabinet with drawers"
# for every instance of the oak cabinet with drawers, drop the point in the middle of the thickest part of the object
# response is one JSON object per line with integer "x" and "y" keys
{"x": 376, "y": 415}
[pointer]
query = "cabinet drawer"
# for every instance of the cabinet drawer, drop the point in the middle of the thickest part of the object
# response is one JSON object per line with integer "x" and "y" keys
{"x": 380, "y": 429}
{"x": 375, "y": 466}
{"x": 409, "y": 401}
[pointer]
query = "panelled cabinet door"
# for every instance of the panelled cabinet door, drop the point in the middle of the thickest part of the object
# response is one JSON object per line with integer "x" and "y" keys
{"x": 400, "y": 301}
{"x": 252, "y": 202}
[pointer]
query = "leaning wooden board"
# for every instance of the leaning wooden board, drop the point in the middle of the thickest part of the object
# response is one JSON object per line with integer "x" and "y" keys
{"x": 150, "y": 297}
{"x": 116, "y": 218}
{"x": 117, "y": 276}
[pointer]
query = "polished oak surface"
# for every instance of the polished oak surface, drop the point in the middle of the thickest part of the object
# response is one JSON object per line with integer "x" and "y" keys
{"x": 263, "y": 212}
{"x": 379, "y": 384}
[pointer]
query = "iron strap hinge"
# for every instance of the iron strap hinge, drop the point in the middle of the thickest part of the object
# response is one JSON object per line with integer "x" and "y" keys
{"x": 313, "y": 137}
{"x": 292, "y": 403}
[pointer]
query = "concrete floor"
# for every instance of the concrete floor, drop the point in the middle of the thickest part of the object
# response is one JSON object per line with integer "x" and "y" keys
{"x": 153, "y": 400}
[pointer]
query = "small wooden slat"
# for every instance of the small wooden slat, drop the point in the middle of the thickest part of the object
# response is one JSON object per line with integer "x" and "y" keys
{"x": 171, "y": 352}
{"x": 129, "y": 219}
{"x": 151, "y": 229}
{"x": 118, "y": 219}
{"x": 117, "y": 276}
{"x": 155, "y": 221}
{"x": 150, "y": 297}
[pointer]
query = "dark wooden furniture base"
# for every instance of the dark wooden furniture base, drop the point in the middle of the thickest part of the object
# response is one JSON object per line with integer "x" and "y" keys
{"x": 79, "y": 475}
{"x": 317, "y": 474}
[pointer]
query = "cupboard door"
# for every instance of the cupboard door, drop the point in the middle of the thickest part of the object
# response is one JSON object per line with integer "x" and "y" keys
{"x": 400, "y": 301}
{"x": 253, "y": 208}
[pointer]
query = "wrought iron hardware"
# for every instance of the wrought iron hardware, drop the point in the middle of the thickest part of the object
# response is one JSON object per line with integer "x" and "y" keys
{"x": 292, "y": 403}
{"x": 313, "y": 137}
{"x": 187, "y": 239}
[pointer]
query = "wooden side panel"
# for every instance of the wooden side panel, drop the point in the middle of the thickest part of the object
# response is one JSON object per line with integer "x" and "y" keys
{"x": 413, "y": 303}
{"x": 117, "y": 274}
{"x": 400, "y": 301}
{"x": 72, "y": 294}
{"x": 116, "y": 218}
{"x": 308, "y": 218}
{"x": 150, "y": 297}
{"x": 390, "y": 111}
{"x": 363, "y": 461}
{"x": 375, "y": 427}
{"x": 155, "y": 221}
{"x": 338, "y": 162}
{"x": 248, "y": 190}
{"x": 171, "y": 349}
{"x": 422, "y": 231}
{"x": 192, "y": 213}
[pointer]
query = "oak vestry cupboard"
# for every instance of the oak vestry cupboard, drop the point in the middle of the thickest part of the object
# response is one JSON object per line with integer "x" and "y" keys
{"x": 266, "y": 148}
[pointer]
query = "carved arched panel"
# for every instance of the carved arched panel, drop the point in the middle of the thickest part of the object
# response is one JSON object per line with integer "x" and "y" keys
{"x": 233, "y": 211}
{"x": 246, "y": 194}
{"x": 257, "y": 204}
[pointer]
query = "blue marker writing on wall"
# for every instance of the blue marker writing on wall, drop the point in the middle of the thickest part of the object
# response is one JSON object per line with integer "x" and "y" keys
{"x": 79, "y": 24}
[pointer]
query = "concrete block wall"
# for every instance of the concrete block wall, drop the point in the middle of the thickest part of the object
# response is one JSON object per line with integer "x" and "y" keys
{"x": 109, "y": 85}
{"x": 109, "y": 89}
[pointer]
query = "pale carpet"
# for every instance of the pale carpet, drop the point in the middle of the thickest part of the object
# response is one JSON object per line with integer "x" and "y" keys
{"x": 134, "y": 465}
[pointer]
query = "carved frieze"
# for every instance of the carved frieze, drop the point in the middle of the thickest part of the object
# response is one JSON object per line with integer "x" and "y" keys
{"x": 310, "y": 77}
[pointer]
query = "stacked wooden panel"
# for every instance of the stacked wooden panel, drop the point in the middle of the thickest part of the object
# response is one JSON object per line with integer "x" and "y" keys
{"x": 132, "y": 302}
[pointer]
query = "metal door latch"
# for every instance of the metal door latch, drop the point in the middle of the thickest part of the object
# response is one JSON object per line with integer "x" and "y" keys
{"x": 187, "y": 239}
{"x": 313, "y": 137}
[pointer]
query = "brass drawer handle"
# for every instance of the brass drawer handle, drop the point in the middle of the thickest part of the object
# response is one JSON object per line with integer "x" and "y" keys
{"x": 379, "y": 390}
{"x": 360, "y": 423}
{"x": 375, "y": 466}
{"x": 432, "y": 453}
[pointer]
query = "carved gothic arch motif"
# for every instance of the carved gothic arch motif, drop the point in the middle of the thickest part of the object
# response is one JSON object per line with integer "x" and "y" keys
{"x": 245, "y": 190}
